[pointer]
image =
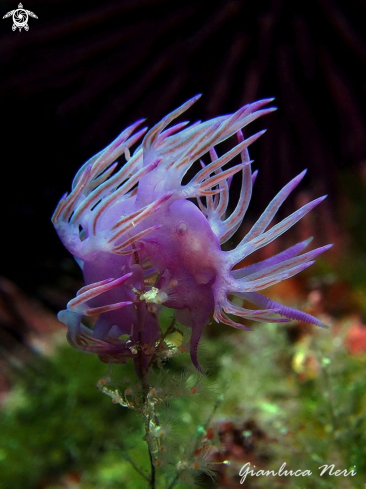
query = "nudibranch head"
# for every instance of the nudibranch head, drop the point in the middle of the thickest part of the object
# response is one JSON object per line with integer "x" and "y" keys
{"x": 146, "y": 240}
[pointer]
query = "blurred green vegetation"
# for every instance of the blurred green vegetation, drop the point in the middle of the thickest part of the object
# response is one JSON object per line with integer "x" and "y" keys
{"x": 55, "y": 421}
{"x": 307, "y": 398}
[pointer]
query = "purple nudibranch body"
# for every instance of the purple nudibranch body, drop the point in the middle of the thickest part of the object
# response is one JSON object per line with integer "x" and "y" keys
{"x": 142, "y": 244}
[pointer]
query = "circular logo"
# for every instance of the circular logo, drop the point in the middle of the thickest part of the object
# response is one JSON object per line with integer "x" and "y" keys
{"x": 20, "y": 18}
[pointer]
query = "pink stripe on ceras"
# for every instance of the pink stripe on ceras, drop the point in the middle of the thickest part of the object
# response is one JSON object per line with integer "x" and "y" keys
{"x": 103, "y": 176}
{"x": 102, "y": 309}
{"x": 136, "y": 217}
{"x": 92, "y": 199}
{"x": 280, "y": 228}
{"x": 223, "y": 199}
{"x": 242, "y": 312}
{"x": 69, "y": 202}
{"x": 171, "y": 130}
{"x": 198, "y": 149}
{"x": 59, "y": 208}
{"x": 273, "y": 260}
{"x": 92, "y": 286}
{"x": 120, "y": 140}
{"x": 273, "y": 207}
{"x": 226, "y": 320}
{"x": 121, "y": 191}
{"x": 135, "y": 238}
{"x": 96, "y": 289}
{"x": 217, "y": 164}
{"x": 155, "y": 131}
{"x": 244, "y": 199}
{"x": 290, "y": 262}
{"x": 101, "y": 159}
{"x": 213, "y": 181}
{"x": 258, "y": 284}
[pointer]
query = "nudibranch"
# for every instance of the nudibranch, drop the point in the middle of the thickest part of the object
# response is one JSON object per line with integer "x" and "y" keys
{"x": 145, "y": 240}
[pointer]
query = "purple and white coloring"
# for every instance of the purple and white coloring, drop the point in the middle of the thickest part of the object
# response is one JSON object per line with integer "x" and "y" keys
{"x": 144, "y": 240}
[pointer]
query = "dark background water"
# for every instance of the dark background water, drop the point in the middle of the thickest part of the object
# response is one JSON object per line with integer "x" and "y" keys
{"x": 85, "y": 70}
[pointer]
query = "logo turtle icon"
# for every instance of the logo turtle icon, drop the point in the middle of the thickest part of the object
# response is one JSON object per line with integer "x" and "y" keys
{"x": 20, "y": 18}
